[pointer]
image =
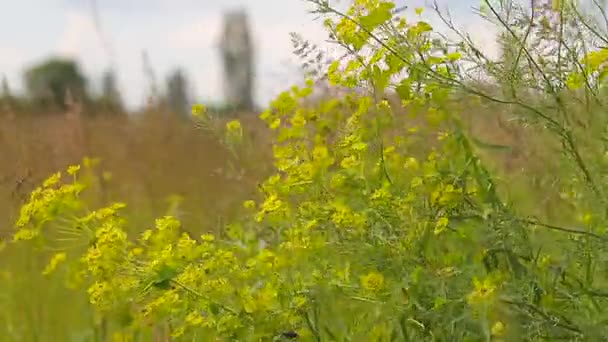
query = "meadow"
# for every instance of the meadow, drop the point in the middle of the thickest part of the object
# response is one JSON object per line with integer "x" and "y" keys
{"x": 431, "y": 206}
{"x": 157, "y": 163}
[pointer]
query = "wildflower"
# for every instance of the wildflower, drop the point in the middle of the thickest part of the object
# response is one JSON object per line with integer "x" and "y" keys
{"x": 194, "y": 318}
{"x": 25, "y": 234}
{"x": 349, "y": 162}
{"x": 270, "y": 205}
{"x": 298, "y": 120}
{"x": 52, "y": 180}
{"x": 380, "y": 195}
{"x": 249, "y": 204}
{"x": 136, "y": 251}
{"x": 441, "y": 225}
{"x": 266, "y": 299}
{"x": 484, "y": 290}
{"x": 56, "y": 260}
{"x": 416, "y": 181}
{"x": 359, "y": 146}
{"x": 198, "y": 110}
{"x": 320, "y": 152}
{"x": 275, "y": 124}
{"x": 411, "y": 164}
{"x": 498, "y": 329}
{"x": 337, "y": 180}
{"x": 178, "y": 332}
{"x": 98, "y": 292}
{"x": 73, "y": 170}
{"x": 373, "y": 281}
{"x": 234, "y": 127}
{"x": 207, "y": 237}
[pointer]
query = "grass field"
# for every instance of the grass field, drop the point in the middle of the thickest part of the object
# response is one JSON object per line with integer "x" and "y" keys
{"x": 158, "y": 163}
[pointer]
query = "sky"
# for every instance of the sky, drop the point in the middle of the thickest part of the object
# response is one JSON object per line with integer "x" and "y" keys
{"x": 175, "y": 34}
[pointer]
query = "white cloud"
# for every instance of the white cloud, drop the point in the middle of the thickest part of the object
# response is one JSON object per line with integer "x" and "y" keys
{"x": 79, "y": 36}
{"x": 11, "y": 60}
{"x": 202, "y": 32}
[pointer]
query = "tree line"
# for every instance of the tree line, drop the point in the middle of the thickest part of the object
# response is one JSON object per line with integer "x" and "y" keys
{"x": 49, "y": 83}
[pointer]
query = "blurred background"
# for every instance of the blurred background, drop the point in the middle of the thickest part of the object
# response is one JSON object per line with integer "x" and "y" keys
{"x": 176, "y": 35}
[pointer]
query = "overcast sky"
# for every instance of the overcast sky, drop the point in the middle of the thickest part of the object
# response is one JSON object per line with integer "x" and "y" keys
{"x": 175, "y": 33}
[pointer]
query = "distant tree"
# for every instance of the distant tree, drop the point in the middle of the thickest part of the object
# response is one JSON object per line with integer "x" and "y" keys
{"x": 6, "y": 90}
{"x": 7, "y": 102}
{"x": 149, "y": 73}
{"x": 177, "y": 93}
{"x": 237, "y": 56}
{"x": 110, "y": 96}
{"x": 48, "y": 82}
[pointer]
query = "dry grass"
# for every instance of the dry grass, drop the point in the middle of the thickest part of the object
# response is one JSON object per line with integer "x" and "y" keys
{"x": 150, "y": 158}
{"x": 156, "y": 155}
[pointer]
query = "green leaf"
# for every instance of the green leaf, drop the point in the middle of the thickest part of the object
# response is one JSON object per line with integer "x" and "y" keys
{"x": 163, "y": 276}
{"x": 395, "y": 64}
{"x": 332, "y": 72}
{"x": 379, "y": 77}
{"x": 377, "y": 16}
{"x": 404, "y": 90}
{"x": 452, "y": 57}
{"x": 575, "y": 81}
{"x": 595, "y": 59}
{"x": 490, "y": 146}
{"x": 423, "y": 26}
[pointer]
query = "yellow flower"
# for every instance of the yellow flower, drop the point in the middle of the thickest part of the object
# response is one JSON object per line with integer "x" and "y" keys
{"x": 198, "y": 109}
{"x": 484, "y": 290}
{"x": 373, "y": 281}
{"x": 498, "y": 329}
{"x": 136, "y": 251}
{"x": 249, "y": 204}
{"x": 73, "y": 169}
{"x": 337, "y": 180}
{"x": 52, "y": 180}
{"x": 25, "y": 234}
{"x": 207, "y": 237}
{"x": 441, "y": 225}
{"x": 349, "y": 162}
{"x": 275, "y": 124}
{"x": 56, "y": 260}
{"x": 416, "y": 181}
{"x": 178, "y": 332}
{"x": 320, "y": 152}
{"x": 194, "y": 318}
{"x": 234, "y": 126}
{"x": 411, "y": 164}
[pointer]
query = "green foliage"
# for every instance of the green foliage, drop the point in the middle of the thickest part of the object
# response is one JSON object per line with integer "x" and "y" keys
{"x": 48, "y": 82}
{"x": 362, "y": 233}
